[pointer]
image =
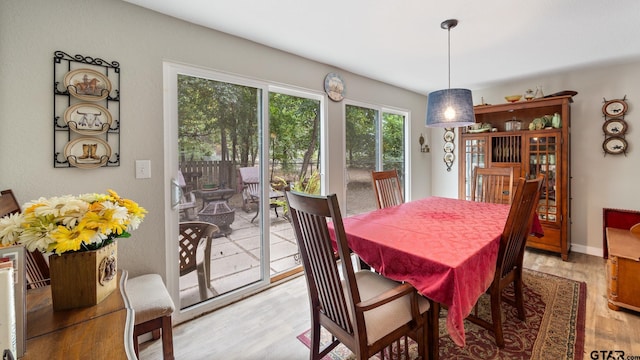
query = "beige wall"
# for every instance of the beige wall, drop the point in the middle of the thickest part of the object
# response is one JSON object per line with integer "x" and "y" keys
{"x": 140, "y": 40}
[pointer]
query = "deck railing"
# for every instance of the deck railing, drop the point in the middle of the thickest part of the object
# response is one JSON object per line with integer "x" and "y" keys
{"x": 199, "y": 174}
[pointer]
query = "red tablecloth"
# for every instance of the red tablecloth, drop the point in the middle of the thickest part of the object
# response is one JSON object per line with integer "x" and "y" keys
{"x": 446, "y": 248}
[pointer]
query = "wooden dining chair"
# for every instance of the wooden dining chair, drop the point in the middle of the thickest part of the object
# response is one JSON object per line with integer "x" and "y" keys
{"x": 36, "y": 266}
{"x": 492, "y": 185}
{"x": 386, "y": 185}
{"x": 510, "y": 256}
{"x": 365, "y": 311}
{"x": 153, "y": 308}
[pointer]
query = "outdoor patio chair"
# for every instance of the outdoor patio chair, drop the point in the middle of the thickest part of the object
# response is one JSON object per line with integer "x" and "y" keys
{"x": 363, "y": 310}
{"x": 386, "y": 185}
{"x": 187, "y": 205}
{"x": 510, "y": 256}
{"x": 194, "y": 247}
{"x": 492, "y": 185}
{"x": 37, "y": 268}
{"x": 250, "y": 183}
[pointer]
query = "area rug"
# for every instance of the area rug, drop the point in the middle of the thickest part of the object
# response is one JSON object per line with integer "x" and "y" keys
{"x": 554, "y": 327}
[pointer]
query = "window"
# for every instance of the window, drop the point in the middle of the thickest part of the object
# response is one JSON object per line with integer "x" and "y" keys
{"x": 375, "y": 140}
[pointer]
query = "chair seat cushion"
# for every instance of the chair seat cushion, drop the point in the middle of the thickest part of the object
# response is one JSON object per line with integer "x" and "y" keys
{"x": 393, "y": 315}
{"x": 149, "y": 298}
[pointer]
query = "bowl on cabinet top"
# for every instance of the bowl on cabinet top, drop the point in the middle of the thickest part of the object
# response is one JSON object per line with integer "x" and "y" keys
{"x": 512, "y": 98}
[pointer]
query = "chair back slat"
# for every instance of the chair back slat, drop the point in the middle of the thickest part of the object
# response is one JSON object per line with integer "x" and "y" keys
{"x": 309, "y": 215}
{"x": 386, "y": 185}
{"x": 518, "y": 225}
{"x": 8, "y": 203}
{"x": 36, "y": 267}
{"x": 492, "y": 185}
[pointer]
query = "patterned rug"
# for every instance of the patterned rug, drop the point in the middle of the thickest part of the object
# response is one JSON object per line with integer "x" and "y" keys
{"x": 554, "y": 329}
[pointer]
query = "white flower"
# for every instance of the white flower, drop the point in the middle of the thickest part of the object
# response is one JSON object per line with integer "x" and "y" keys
{"x": 69, "y": 223}
{"x": 10, "y": 227}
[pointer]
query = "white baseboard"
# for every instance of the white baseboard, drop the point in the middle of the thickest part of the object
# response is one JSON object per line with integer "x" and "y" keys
{"x": 589, "y": 250}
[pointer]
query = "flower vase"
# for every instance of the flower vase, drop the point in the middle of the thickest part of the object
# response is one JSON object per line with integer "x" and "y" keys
{"x": 81, "y": 279}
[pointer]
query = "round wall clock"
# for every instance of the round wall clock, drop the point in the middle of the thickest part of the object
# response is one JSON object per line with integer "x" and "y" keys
{"x": 334, "y": 86}
{"x": 614, "y": 108}
{"x": 614, "y": 145}
{"x": 614, "y": 127}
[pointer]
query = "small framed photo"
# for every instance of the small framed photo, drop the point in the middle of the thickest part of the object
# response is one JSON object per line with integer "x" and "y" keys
{"x": 16, "y": 255}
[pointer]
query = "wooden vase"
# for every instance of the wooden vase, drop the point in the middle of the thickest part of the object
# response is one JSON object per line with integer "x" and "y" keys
{"x": 82, "y": 279}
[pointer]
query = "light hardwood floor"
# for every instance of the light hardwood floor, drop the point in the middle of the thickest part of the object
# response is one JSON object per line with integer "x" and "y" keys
{"x": 265, "y": 326}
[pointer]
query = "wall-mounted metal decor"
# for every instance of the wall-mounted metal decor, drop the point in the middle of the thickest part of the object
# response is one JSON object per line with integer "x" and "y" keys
{"x": 86, "y": 112}
{"x": 614, "y": 127}
{"x": 449, "y": 147}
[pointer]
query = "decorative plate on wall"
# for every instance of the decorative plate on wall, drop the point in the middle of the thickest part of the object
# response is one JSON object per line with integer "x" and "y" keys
{"x": 449, "y": 135}
{"x": 449, "y": 147}
{"x": 87, "y": 84}
{"x": 615, "y": 145}
{"x": 449, "y": 157}
{"x": 88, "y": 118}
{"x": 615, "y": 108}
{"x": 614, "y": 127}
{"x": 87, "y": 152}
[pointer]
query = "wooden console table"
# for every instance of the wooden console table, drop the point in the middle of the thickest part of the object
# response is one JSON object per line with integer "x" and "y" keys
{"x": 623, "y": 269}
{"x": 103, "y": 331}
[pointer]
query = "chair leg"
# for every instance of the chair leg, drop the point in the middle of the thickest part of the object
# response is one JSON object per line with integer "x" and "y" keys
{"x": 433, "y": 331}
{"x": 496, "y": 315}
{"x": 315, "y": 342}
{"x": 202, "y": 286}
{"x": 155, "y": 326}
{"x": 167, "y": 338}
{"x": 257, "y": 213}
{"x": 519, "y": 295}
{"x": 136, "y": 346}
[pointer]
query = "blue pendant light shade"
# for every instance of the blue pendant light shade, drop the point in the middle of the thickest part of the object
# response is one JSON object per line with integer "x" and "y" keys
{"x": 450, "y": 107}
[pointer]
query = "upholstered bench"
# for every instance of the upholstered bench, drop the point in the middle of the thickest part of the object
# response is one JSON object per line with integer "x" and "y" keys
{"x": 153, "y": 307}
{"x": 623, "y": 268}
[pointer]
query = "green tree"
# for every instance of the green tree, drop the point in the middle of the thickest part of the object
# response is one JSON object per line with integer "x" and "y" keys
{"x": 392, "y": 140}
{"x": 360, "y": 136}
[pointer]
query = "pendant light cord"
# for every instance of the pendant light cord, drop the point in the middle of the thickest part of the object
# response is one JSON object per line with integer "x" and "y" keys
{"x": 449, "y": 54}
{"x": 447, "y": 25}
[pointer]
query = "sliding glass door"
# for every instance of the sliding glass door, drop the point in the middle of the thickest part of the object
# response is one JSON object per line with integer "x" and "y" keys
{"x": 231, "y": 172}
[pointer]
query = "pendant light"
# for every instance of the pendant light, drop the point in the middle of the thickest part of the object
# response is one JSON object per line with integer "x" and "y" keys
{"x": 450, "y": 107}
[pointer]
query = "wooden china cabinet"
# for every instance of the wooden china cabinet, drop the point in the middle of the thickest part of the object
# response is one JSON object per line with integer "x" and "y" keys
{"x": 542, "y": 150}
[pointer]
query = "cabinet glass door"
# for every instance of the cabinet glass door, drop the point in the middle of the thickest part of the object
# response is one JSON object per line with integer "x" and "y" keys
{"x": 544, "y": 153}
{"x": 474, "y": 155}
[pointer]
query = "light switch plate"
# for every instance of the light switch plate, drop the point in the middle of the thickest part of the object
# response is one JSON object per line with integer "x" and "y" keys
{"x": 143, "y": 169}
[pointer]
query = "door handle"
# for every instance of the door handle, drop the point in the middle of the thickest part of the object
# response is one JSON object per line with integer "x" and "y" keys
{"x": 176, "y": 194}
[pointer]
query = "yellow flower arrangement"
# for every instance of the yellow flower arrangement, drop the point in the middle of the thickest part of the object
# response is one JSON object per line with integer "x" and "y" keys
{"x": 71, "y": 223}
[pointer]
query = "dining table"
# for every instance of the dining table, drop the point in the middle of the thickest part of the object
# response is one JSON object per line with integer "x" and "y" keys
{"x": 446, "y": 248}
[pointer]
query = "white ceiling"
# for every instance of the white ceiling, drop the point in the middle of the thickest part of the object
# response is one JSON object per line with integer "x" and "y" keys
{"x": 400, "y": 42}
